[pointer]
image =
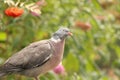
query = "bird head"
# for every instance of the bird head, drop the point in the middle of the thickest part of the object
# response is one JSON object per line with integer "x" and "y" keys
{"x": 62, "y": 33}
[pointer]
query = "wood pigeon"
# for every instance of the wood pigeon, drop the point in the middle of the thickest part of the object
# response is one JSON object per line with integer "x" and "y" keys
{"x": 38, "y": 57}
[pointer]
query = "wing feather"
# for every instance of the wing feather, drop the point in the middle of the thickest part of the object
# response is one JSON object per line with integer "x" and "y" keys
{"x": 34, "y": 55}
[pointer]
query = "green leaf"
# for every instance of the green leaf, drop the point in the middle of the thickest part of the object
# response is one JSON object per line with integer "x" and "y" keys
{"x": 96, "y": 4}
{"x": 3, "y": 36}
{"x": 71, "y": 63}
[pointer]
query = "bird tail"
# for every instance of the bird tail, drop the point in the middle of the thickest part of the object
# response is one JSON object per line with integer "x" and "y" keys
{"x": 2, "y": 72}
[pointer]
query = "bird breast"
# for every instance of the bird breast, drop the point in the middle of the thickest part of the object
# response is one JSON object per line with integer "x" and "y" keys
{"x": 55, "y": 59}
{"x": 58, "y": 52}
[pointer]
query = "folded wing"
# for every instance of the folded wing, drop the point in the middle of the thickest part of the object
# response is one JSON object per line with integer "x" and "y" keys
{"x": 34, "y": 55}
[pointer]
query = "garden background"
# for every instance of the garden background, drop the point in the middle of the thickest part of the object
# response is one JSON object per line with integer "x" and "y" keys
{"x": 92, "y": 53}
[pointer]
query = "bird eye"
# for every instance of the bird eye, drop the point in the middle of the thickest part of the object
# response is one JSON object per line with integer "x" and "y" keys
{"x": 63, "y": 30}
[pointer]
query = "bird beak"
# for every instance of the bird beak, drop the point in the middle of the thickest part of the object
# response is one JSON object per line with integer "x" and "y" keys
{"x": 70, "y": 34}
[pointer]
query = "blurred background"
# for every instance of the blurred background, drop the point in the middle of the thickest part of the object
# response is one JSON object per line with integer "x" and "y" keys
{"x": 92, "y": 53}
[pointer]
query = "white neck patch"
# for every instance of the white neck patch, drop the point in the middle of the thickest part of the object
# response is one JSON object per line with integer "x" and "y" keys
{"x": 55, "y": 40}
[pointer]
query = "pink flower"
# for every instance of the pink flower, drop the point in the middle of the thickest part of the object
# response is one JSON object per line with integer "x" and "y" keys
{"x": 59, "y": 69}
{"x": 34, "y": 13}
{"x": 36, "y": 8}
{"x": 40, "y": 2}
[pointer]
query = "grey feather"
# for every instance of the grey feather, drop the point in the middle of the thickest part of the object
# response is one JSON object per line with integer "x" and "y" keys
{"x": 2, "y": 74}
{"x": 30, "y": 57}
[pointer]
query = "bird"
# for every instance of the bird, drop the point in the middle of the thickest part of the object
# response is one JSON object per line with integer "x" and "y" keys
{"x": 38, "y": 57}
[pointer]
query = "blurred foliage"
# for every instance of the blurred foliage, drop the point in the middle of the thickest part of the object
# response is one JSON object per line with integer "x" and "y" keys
{"x": 89, "y": 55}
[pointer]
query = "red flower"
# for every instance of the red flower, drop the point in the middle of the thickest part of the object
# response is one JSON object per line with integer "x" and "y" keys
{"x": 82, "y": 25}
{"x": 14, "y": 11}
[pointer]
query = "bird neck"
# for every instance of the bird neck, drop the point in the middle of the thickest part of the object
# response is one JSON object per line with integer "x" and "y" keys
{"x": 56, "y": 40}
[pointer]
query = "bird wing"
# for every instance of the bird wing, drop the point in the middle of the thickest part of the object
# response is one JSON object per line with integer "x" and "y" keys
{"x": 34, "y": 55}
